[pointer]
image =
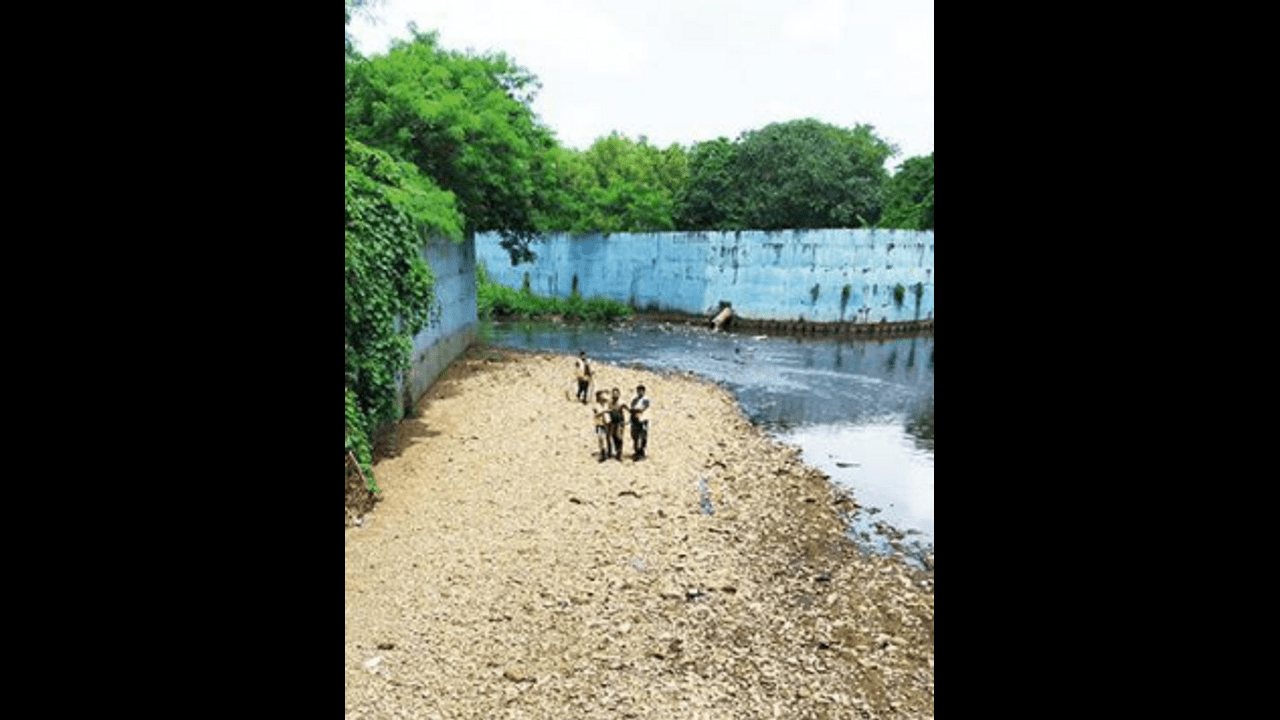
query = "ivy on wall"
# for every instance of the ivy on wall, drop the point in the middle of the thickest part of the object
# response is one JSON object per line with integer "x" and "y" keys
{"x": 389, "y": 288}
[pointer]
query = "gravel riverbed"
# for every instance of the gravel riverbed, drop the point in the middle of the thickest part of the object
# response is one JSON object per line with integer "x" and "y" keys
{"x": 507, "y": 573}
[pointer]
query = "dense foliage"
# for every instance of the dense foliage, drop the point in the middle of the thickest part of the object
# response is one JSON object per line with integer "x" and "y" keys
{"x": 791, "y": 175}
{"x": 798, "y": 174}
{"x": 909, "y": 196}
{"x": 706, "y": 201}
{"x": 464, "y": 121}
{"x": 616, "y": 185}
{"x": 388, "y": 285}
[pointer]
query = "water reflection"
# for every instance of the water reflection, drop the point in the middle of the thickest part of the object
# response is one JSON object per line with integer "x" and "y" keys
{"x": 920, "y": 425}
{"x": 891, "y": 477}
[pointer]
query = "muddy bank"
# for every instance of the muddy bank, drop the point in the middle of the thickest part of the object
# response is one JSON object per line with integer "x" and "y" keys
{"x": 508, "y": 573}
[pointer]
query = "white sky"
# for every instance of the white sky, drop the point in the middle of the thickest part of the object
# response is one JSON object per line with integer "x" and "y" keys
{"x": 692, "y": 70}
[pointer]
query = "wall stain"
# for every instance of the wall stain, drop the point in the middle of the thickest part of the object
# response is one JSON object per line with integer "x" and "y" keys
{"x": 684, "y": 276}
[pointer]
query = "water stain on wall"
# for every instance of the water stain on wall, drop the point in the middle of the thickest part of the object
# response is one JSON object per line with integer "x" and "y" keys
{"x": 812, "y": 249}
{"x": 732, "y": 252}
{"x": 677, "y": 269}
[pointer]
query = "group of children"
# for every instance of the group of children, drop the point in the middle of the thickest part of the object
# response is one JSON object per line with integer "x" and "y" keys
{"x": 609, "y": 413}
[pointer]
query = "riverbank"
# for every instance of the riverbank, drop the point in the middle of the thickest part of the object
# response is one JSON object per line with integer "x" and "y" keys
{"x": 508, "y": 573}
{"x": 739, "y": 324}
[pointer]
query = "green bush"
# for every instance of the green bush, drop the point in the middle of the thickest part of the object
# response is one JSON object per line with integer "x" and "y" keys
{"x": 499, "y": 301}
{"x": 389, "y": 289}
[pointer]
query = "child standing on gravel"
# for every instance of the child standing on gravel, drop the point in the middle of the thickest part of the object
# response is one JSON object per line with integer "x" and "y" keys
{"x": 582, "y": 370}
{"x": 616, "y": 421}
{"x": 601, "y": 414}
{"x": 639, "y": 423}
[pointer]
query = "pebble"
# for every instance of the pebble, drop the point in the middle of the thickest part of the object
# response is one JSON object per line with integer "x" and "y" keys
{"x": 516, "y": 674}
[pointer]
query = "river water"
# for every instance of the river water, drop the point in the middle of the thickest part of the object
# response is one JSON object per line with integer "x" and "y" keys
{"x": 860, "y": 410}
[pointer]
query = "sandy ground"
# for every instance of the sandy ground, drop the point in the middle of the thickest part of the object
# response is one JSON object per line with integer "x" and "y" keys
{"x": 507, "y": 573}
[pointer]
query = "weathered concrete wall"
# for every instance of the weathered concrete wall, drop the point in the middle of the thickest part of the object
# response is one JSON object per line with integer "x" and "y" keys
{"x": 453, "y": 324}
{"x": 785, "y": 275}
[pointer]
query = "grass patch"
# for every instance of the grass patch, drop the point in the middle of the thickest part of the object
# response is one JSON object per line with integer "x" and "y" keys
{"x": 498, "y": 302}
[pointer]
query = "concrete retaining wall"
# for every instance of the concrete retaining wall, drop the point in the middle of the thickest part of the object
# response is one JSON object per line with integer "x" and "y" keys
{"x": 788, "y": 275}
{"x": 453, "y": 326}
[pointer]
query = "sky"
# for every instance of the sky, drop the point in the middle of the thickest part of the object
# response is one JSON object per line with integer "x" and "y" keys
{"x": 686, "y": 71}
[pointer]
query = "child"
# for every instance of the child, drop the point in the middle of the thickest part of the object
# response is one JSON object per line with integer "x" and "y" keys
{"x": 601, "y": 415}
{"x": 582, "y": 370}
{"x": 639, "y": 423}
{"x": 616, "y": 421}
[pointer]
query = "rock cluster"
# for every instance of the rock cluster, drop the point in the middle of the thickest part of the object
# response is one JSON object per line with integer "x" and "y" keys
{"x": 508, "y": 574}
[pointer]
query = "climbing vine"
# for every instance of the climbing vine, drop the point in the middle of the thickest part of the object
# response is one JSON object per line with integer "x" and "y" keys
{"x": 389, "y": 287}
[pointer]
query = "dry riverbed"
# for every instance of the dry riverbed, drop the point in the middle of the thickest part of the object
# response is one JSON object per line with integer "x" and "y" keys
{"x": 506, "y": 573}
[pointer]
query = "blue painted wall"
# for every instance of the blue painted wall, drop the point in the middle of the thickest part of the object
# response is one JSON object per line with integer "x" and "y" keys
{"x": 453, "y": 325}
{"x": 784, "y": 275}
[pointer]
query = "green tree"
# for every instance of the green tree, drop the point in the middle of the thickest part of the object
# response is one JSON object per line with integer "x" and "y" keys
{"x": 629, "y": 206}
{"x": 566, "y": 194}
{"x": 630, "y": 194}
{"x": 671, "y": 166}
{"x": 797, "y": 174}
{"x": 809, "y": 174}
{"x": 616, "y": 185}
{"x": 465, "y": 121}
{"x": 909, "y": 195}
{"x": 707, "y": 200}
{"x": 627, "y": 196}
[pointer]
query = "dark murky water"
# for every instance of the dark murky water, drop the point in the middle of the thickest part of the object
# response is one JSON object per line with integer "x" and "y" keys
{"x": 860, "y": 410}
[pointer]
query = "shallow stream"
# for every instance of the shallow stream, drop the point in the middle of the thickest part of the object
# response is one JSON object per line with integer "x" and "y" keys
{"x": 860, "y": 410}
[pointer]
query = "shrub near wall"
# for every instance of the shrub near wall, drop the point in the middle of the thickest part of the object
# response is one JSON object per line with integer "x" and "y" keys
{"x": 389, "y": 288}
{"x": 494, "y": 301}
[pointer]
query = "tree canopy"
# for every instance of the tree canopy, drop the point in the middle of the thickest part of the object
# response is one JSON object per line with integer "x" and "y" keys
{"x": 465, "y": 122}
{"x": 707, "y": 200}
{"x": 797, "y": 174}
{"x": 616, "y": 185}
{"x": 909, "y": 195}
